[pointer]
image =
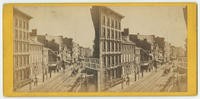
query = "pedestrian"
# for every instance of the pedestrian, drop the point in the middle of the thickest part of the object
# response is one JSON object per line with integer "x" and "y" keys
{"x": 128, "y": 80}
{"x": 122, "y": 84}
{"x": 36, "y": 80}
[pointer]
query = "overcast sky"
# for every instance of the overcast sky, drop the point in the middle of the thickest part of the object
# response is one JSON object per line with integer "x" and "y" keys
{"x": 76, "y": 22}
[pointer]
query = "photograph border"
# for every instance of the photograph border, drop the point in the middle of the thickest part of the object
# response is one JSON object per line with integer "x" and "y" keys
{"x": 8, "y": 52}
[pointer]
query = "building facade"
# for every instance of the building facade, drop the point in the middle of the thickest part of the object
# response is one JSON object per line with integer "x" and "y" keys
{"x": 36, "y": 54}
{"x": 107, "y": 45}
{"x": 128, "y": 54}
{"x": 21, "y": 49}
{"x": 85, "y": 52}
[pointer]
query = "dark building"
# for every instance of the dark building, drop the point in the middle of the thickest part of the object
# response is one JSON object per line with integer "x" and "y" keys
{"x": 107, "y": 45}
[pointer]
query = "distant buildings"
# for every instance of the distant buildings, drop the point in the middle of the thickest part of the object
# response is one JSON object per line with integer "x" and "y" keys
{"x": 107, "y": 45}
{"x": 21, "y": 66}
{"x": 85, "y": 52}
{"x": 149, "y": 38}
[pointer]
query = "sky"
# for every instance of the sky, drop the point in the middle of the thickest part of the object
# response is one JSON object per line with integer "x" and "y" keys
{"x": 76, "y": 22}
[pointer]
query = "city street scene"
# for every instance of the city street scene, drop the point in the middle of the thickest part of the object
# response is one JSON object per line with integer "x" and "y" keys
{"x": 100, "y": 48}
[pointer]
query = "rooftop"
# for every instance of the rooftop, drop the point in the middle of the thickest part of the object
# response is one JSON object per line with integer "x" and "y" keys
{"x": 18, "y": 11}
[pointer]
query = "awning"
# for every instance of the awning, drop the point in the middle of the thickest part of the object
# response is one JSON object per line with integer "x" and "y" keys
{"x": 52, "y": 65}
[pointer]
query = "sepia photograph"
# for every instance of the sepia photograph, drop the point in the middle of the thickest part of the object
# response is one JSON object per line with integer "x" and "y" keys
{"x": 100, "y": 48}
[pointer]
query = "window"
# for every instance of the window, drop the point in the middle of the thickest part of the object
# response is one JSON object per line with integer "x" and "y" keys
{"x": 104, "y": 32}
{"x": 119, "y": 35}
{"x": 113, "y": 46}
{"x": 16, "y": 46}
{"x": 108, "y": 60}
{"x": 27, "y": 35}
{"x": 24, "y": 36}
{"x": 108, "y": 46}
{"x": 113, "y": 60}
{"x": 112, "y": 34}
{"x": 108, "y": 22}
{"x": 20, "y": 61}
{"x": 17, "y": 61}
{"x": 119, "y": 47}
{"x": 104, "y": 46}
{"x": 116, "y": 24}
{"x": 16, "y": 76}
{"x": 119, "y": 59}
{"x": 24, "y": 60}
{"x": 108, "y": 33}
{"x": 104, "y": 61}
{"x": 27, "y": 48}
{"x": 20, "y": 35}
{"x": 27, "y": 25}
{"x": 27, "y": 60}
{"x": 112, "y": 24}
{"x": 24, "y": 47}
{"x": 111, "y": 63}
{"x": 16, "y": 22}
{"x": 20, "y": 46}
{"x": 116, "y": 60}
{"x": 24, "y": 24}
{"x": 20, "y": 23}
{"x": 16, "y": 34}
{"x": 104, "y": 20}
{"x": 119, "y": 25}
{"x": 116, "y": 47}
{"x": 116, "y": 35}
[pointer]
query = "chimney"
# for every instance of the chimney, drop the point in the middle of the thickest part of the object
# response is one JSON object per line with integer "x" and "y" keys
{"x": 34, "y": 32}
{"x": 126, "y": 31}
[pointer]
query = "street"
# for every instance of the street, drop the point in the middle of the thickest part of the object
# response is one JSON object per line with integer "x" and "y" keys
{"x": 154, "y": 81}
{"x": 63, "y": 81}
{"x": 151, "y": 82}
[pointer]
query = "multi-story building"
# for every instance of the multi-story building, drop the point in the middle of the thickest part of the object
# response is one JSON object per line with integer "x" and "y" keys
{"x": 21, "y": 49}
{"x": 85, "y": 52}
{"x": 128, "y": 54}
{"x": 107, "y": 45}
{"x": 36, "y": 52}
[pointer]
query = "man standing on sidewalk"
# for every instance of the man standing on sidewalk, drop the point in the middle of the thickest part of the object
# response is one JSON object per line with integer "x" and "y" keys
{"x": 122, "y": 84}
